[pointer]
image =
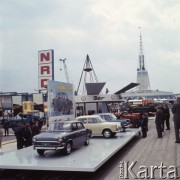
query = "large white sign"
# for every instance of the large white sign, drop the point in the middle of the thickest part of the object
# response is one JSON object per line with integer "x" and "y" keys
{"x": 45, "y": 67}
{"x": 60, "y": 101}
{"x": 99, "y": 98}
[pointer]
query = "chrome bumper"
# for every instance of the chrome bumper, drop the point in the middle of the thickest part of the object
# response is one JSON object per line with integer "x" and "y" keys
{"x": 48, "y": 148}
{"x": 55, "y": 145}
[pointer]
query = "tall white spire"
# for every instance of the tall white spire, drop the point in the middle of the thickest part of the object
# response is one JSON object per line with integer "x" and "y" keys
{"x": 142, "y": 73}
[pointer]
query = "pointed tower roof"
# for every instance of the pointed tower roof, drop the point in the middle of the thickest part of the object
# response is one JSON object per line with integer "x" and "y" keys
{"x": 142, "y": 73}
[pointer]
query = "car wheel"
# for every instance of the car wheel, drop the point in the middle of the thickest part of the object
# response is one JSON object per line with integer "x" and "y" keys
{"x": 40, "y": 151}
{"x": 86, "y": 143}
{"x": 107, "y": 133}
{"x": 68, "y": 148}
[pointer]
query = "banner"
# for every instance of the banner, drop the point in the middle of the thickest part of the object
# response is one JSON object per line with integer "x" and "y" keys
{"x": 60, "y": 101}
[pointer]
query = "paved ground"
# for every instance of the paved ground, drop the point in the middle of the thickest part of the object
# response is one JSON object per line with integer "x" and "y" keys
{"x": 9, "y": 142}
{"x": 148, "y": 153}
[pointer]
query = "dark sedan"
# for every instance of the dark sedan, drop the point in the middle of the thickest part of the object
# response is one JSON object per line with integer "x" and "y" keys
{"x": 62, "y": 135}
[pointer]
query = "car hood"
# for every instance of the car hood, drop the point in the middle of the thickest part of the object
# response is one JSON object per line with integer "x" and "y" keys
{"x": 47, "y": 136}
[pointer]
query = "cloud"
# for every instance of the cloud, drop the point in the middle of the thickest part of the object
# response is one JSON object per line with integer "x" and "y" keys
{"x": 106, "y": 30}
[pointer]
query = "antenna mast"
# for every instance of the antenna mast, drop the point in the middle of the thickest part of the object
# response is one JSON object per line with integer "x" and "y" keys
{"x": 65, "y": 69}
{"x": 141, "y": 55}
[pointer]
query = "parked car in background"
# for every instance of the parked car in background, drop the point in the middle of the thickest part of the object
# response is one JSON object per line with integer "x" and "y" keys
{"x": 62, "y": 135}
{"x": 99, "y": 126}
{"x": 135, "y": 118}
{"x": 125, "y": 123}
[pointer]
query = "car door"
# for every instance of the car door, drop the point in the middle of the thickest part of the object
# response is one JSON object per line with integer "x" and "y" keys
{"x": 82, "y": 133}
{"x": 75, "y": 134}
{"x": 93, "y": 124}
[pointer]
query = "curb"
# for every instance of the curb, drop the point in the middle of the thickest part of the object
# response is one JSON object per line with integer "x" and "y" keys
{"x": 4, "y": 142}
{"x": 8, "y": 142}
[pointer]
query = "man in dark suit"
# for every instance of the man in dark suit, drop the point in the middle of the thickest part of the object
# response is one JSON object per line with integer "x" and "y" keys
{"x": 158, "y": 121}
{"x": 144, "y": 124}
{"x": 176, "y": 118}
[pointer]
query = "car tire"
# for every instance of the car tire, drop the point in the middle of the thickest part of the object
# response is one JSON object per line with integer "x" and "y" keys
{"x": 40, "y": 151}
{"x": 107, "y": 133}
{"x": 67, "y": 150}
{"x": 86, "y": 143}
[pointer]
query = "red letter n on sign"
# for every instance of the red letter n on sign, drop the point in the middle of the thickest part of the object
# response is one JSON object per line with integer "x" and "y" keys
{"x": 45, "y": 57}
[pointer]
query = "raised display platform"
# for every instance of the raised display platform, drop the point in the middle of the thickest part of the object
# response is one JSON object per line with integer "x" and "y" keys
{"x": 85, "y": 159}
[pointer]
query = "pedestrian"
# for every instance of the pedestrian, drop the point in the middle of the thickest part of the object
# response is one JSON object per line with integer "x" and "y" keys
{"x": 19, "y": 133}
{"x": 167, "y": 116}
{"x": 1, "y": 134}
{"x": 158, "y": 121}
{"x": 6, "y": 127}
{"x": 176, "y": 118}
{"x": 163, "y": 119}
{"x": 28, "y": 135}
{"x": 144, "y": 124}
{"x": 35, "y": 129}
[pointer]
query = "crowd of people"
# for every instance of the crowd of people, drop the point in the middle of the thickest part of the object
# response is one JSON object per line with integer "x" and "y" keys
{"x": 24, "y": 133}
{"x": 162, "y": 120}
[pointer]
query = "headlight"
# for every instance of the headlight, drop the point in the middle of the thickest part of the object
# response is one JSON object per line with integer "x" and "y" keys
{"x": 60, "y": 139}
{"x": 34, "y": 139}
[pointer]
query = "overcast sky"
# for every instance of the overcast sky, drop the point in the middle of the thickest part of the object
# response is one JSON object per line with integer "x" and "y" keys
{"x": 107, "y": 30}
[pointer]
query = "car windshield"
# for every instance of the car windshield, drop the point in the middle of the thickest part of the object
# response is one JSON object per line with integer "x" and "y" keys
{"x": 108, "y": 117}
{"x": 61, "y": 126}
{"x": 113, "y": 116}
{"x": 101, "y": 120}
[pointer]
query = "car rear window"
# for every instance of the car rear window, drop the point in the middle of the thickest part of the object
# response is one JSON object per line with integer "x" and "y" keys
{"x": 60, "y": 127}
